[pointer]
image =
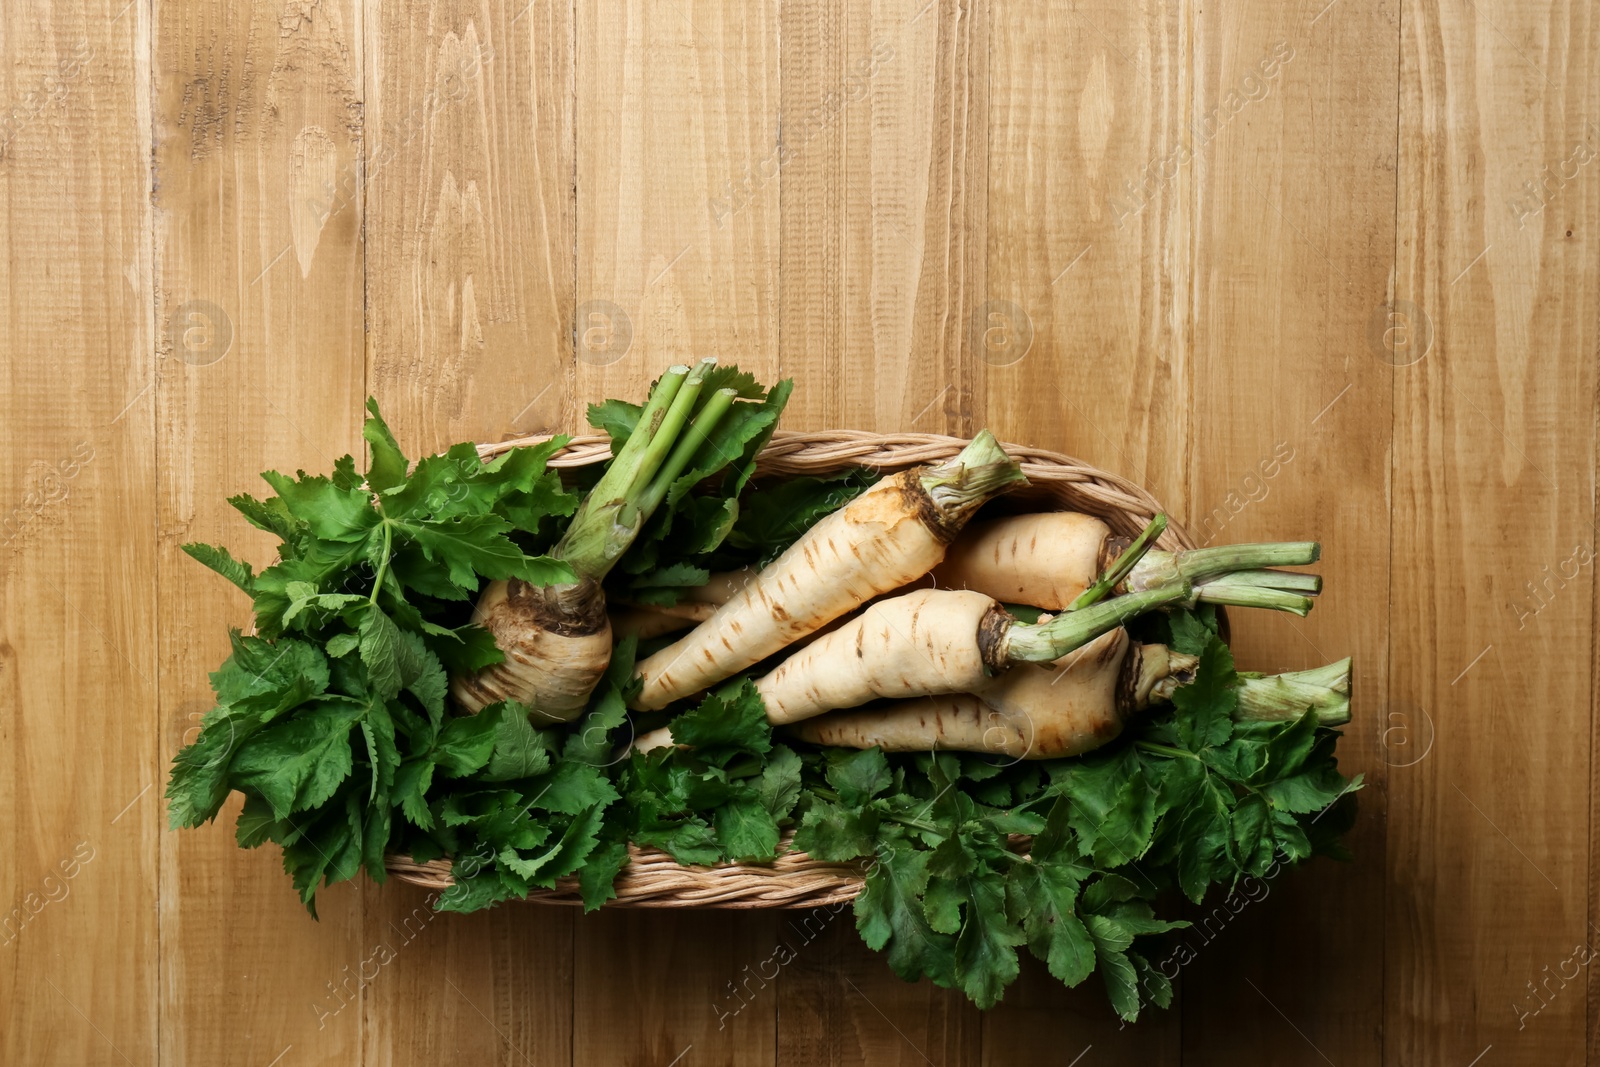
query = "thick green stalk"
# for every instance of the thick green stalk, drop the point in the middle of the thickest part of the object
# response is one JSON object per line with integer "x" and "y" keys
{"x": 1122, "y": 565}
{"x": 1044, "y": 642}
{"x": 1266, "y": 698}
{"x": 619, "y": 473}
{"x": 962, "y": 484}
{"x": 666, "y": 436}
{"x": 609, "y": 518}
{"x": 688, "y": 445}
{"x": 1235, "y": 574}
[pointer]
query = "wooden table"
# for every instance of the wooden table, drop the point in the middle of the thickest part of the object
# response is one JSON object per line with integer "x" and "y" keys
{"x": 1303, "y": 270}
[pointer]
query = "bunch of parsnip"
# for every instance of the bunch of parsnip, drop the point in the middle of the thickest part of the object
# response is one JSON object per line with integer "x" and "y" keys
{"x": 1026, "y": 728}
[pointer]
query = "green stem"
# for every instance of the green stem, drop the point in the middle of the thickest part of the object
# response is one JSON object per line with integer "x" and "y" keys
{"x": 1123, "y": 564}
{"x": 1165, "y": 750}
{"x": 1252, "y": 597}
{"x": 1289, "y": 581}
{"x": 383, "y": 567}
{"x": 699, "y": 433}
{"x": 1277, "y": 697}
{"x": 1233, "y": 574}
{"x": 620, "y": 472}
{"x": 666, "y": 436}
{"x": 610, "y": 516}
{"x": 1045, "y": 642}
{"x": 962, "y": 484}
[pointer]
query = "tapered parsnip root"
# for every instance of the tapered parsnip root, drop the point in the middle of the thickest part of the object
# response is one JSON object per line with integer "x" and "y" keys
{"x": 950, "y": 721}
{"x": 645, "y": 621}
{"x": 1047, "y": 559}
{"x": 1031, "y": 711}
{"x": 1069, "y": 708}
{"x": 890, "y": 535}
{"x": 929, "y": 642}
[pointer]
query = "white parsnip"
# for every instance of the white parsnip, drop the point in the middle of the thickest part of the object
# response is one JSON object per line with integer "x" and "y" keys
{"x": 929, "y": 642}
{"x": 1071, "y": 707}
{"x": 1047, "y": 559}
{"x": 890, "y": 535}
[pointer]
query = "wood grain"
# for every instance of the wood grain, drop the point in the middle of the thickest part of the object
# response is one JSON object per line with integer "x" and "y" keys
{"x": 679, "y": 99}
{"x": 1083, "y": 333}
{"x": 469, "y": 215}
{"x": 259, "y": 307}
{"x": 882, "y": 187}
{"x": 1493, "y": 489}
{"x": 882, "y": 195}
{"x": 1372, "y": 273}
{"x": 1291, "y": 430}
{"x": 78, "y": 944}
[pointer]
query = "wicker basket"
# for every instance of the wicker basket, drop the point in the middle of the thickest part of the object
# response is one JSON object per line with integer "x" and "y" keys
{"x": 794, "y": 880}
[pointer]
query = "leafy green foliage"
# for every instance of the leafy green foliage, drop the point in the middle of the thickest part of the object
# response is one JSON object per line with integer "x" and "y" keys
{"x": 331, "y": 720}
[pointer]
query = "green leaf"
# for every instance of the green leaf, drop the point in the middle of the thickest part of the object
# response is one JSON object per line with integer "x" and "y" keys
{"x": 986, "y": 950}
{"x": 476, "y": 545}
{"x": 773, "y": 517}
{"x": 834, "y": 833}
{"x": 747, "y": 830}
{"x": 890, "y": 917}
{"x": 466, "y": 742}
{"x": 617, "y": 418}
{"x": 779, "y": 786}
{"x": 269, "y": 515}
{"x": 1205, "y": 834}
{"x": 1289, "y": 749}
{"x": 472, "y": 649}
{"x": 858, "y": 776}
{"x": 1121, "y": 978}
{"x": 270, "y": 677}
{"x": 299, "y": 763}
{"x": 411, "y": 782}
{"x": 388, "y": 467}
{"x": 1206, "y": 705}
{"x": 725, "y": 720}
{"x": 224, "y": 564}
{"x": 1312, "y": 790}
{"x": 394, "y": 658}
{"x": 330, "y": 512}
{"x": 519, "y": 750}
{"x": 1045, "y": 896}
{"x": 256, "y": 823}
{"x": 1113, "y": 807}
{"x": 599, "y": 872}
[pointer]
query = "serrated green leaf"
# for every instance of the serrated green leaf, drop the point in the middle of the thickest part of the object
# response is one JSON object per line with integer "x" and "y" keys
{"x": 297, "y": 764}
{"x": 219, "y": 560}
{"x": 388, "y": 467}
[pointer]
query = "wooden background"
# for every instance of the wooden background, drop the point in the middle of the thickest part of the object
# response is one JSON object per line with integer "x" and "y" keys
{"x": 1173, "y": 239}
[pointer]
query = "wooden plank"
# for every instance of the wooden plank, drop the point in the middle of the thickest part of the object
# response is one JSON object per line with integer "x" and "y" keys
{"x": 259, "y": 313}
{"x": 1290, "y": 401}
{"x": 469, "y": 288}
{"x": 676, "y": 99}
{"x": 882, "y": 194}
{"x": 1076, "y": 333}
{"x": 78, "y": 956}
{"x": 881, "y": 181}
{"x": 1082, "y": 332}
{"x": 1493, "y": 496}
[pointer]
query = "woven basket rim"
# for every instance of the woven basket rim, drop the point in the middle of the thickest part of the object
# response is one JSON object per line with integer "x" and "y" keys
{"x": 652, "y": 878}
